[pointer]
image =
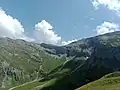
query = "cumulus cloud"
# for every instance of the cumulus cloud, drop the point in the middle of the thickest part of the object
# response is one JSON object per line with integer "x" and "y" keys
{"x": 107, "y": 27}
{"x": 113, "y": 5}
{"x": 11, "y": 27}
{"x": 45, "y": 34}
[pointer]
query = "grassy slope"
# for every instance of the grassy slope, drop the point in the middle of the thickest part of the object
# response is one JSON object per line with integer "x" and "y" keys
{"x": 40, "y": 84}
{"x": 3, "y": 88}
{"x": 108, "y": 82}
{"x": 29, "y": 86}
{"x": 50, "y": 83}
{"x": 34, "y": 85}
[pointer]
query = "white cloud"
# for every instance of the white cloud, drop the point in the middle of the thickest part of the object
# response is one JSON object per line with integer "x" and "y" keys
{"x": 11, "y": 27}
{"x": 113, "y": 5}
{"x": 107, "y": 27}
{"x": 68, "y": 42}
{"x": 45, "y": 34}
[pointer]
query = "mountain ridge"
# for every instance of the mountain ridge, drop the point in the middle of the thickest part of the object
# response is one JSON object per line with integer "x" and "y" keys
{"x": 71, "y": 66}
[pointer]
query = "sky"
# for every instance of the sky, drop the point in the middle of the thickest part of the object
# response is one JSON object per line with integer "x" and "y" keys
{"x": 58, "y": 22}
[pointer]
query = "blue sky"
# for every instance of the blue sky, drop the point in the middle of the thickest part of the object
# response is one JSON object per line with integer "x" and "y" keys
{"x": 70, "y": 19}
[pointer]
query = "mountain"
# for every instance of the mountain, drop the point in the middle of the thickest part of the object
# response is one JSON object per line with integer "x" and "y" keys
{"x": 22, "y": 61}
{"x": 90, "y": 59}
{"x": 58, "y": 67}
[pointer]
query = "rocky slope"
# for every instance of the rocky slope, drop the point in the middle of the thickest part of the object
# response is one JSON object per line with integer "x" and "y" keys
{"x": 22, "y": 61}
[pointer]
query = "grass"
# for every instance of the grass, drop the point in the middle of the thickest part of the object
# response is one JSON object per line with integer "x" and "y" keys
{"x": 29, "y": 85}
{"x": 39, "y": 85}
{"x": 3, "y": 88}
{"x": 35, "y": 85}
{"x": 46, "y": 84}
{"x": 108, "y": 82}
{"x": 115, "y": 74}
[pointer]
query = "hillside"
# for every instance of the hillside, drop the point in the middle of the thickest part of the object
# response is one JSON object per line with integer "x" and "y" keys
{"x": 70, "y": 66}
{"x": 108, "y": 82}
{"x": 91, "y": 59}
{"x": 22, "y": 61}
